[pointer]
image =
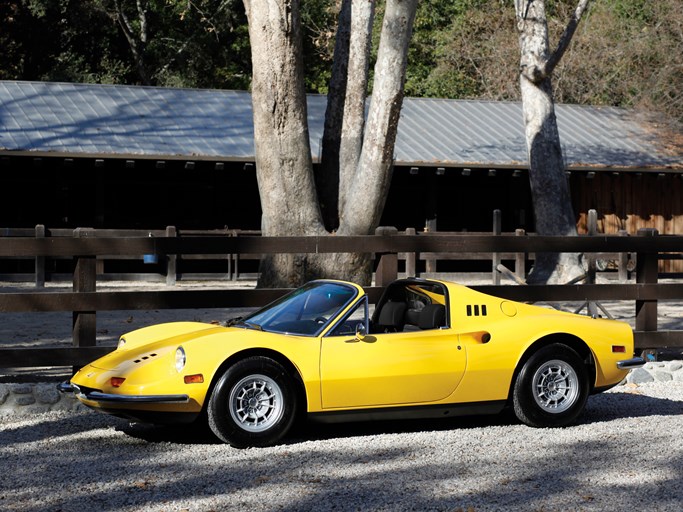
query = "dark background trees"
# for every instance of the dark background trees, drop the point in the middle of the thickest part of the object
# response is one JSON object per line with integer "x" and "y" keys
{"x": 626, "y": 53}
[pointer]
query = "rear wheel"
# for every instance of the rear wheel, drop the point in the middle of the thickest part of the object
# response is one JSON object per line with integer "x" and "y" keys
{"x": 253, "y": 404}
{"x": 552, "y": 388}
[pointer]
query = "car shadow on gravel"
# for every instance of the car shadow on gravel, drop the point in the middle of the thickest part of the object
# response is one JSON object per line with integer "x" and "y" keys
{"x": 601, "y": 408}
{"x": 190, "y": 434}
{"x": 628, "y": 404}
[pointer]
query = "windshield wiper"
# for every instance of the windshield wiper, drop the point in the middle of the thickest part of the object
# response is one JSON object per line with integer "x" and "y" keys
{"x": 239, "y": 322}
{"x": 233, "y": 321}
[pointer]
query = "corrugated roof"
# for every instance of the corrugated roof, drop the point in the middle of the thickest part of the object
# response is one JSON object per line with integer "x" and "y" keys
{"x": 64, "y": 119}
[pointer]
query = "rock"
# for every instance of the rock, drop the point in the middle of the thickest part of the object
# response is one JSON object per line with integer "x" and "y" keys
{"x": 46, "y": 394}
{"x": 674, "y": 366}
{"x": 25, "y": 400}
{"x": 640, "y": 376}
{"x": 22, "y": 389}
{"x": 4, "y": 393}
{"x": 661, "y": 376}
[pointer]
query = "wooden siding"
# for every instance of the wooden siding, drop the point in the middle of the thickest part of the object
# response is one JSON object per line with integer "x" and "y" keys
{"x": 631, "y": 201}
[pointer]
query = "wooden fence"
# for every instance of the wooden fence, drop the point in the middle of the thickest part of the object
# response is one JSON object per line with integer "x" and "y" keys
{"x": 87, "y": 245}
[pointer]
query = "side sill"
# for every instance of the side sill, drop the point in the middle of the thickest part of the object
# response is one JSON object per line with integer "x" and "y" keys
{"x": 412, "y": 412}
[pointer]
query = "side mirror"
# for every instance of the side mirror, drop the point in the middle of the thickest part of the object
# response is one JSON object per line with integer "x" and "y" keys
{"x": 361, "y": 331}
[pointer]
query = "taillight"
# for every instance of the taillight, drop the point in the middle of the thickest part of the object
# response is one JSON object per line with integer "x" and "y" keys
{"x": 618, "y": 349}
{"x": 116, "y": 381}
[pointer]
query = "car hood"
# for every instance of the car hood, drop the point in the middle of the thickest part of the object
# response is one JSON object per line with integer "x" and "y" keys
{"x": 150, "y": 343}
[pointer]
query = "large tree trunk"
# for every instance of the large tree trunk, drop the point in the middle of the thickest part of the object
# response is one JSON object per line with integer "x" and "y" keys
{"x": 284, "y": 168}
{"x": 327, "y": 176}
{"x": 345, "y": 113}
{"x": 369, "y": 187}
{"x": 365, "y": 177}
{"x": 353, "y": 124}
{"x": 283, "y": 156}
{"x": 550, "y": 192}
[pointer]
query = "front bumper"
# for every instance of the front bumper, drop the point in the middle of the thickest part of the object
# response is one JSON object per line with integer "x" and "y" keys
{"x": 630, "y": 364}
{"x": 98, "y": 396}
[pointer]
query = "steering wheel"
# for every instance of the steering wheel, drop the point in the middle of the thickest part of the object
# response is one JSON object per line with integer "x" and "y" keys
{"x": 320, "y": 320}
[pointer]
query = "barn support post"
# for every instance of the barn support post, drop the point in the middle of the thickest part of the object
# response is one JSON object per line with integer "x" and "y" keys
{"x": 84, "y": 323}
{"x": 171, "y": 260}
{"x": 495, "y": 257}
{"x": 411, "y": 257}
{"x": 40, "y": 260}
{"x": 387, "y": 268}
{"x": 647, "y": 264}
{"x": 431, "y": 215}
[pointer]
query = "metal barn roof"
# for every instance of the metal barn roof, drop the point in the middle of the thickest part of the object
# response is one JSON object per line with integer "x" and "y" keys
{"x": 86, "y": 120}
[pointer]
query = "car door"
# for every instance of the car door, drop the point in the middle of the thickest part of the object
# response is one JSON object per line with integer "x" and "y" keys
{"x": 389, "y": 369}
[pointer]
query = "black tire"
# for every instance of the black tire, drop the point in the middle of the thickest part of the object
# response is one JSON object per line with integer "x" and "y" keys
{"x": 253, "y": 404}
{"x": 552, "y": 387}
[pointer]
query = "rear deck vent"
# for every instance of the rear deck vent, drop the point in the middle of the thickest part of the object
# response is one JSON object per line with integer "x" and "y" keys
{"x": 476, "y": 310}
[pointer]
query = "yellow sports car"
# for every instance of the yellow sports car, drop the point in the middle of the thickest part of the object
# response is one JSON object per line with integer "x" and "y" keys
{"x": 430, "y": 349}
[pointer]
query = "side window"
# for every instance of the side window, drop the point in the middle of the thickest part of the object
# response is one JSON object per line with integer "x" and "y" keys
{"x": 358, "y": 315}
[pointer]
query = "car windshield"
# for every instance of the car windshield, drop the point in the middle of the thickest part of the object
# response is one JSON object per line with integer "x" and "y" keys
{"x": 306, "y": 311}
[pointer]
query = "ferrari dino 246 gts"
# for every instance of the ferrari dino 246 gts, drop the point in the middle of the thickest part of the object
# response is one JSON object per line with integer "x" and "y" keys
{"x": 430, "y": 349}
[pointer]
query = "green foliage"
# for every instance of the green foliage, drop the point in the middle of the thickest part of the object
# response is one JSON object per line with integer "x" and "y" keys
{"x": 625, "y": 53}
{"x": 319, "y": 20}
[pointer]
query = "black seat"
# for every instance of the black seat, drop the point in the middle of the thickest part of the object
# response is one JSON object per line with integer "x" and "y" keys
{"x": 432, "y": 316}
{"x": 391, "y": 317}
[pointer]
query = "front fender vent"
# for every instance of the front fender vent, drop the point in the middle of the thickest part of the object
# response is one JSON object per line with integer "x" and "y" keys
{"x": 145, "y": 358}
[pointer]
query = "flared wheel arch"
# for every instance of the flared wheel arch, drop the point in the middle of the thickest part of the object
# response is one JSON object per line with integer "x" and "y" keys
{"x": 571, "y": 341}
{"x": 276, "y": 356}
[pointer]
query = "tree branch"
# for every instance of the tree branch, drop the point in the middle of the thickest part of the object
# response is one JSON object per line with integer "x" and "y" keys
{"x": 566, "y": 38}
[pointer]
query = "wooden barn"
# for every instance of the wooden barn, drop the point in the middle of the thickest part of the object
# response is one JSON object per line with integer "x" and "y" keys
{"x": 103, "y": 156}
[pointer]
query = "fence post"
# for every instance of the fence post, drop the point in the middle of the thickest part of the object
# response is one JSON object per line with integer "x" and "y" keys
{"x": 84, "y": 323}
{"x": 411, "y": 257}
{"x": 40, "y": 260}
{"x": 171, "y": 263}
{"x": 387, "y": 268}
{"x": 590, "y": 275}
{"x": 495, "y": 257}
{"x": 647, "y": 269}
{"x": 520, "y": 258}
{"x": 623, "y": 261}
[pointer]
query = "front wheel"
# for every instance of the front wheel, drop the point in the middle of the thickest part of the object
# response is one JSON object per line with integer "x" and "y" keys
{"x": 253, "y": 404}
{"x": 552, "y": 388}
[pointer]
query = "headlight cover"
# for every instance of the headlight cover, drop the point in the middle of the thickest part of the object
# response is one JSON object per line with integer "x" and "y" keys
{"x": 180, "y": 359}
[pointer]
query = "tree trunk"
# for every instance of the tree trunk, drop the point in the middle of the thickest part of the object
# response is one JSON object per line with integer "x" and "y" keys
{"x": 370, "y": 185}
{"x": 345, "y": 113}
{"x": 136, "y": 41}
{"x": 327, "y": 177}
{"x": 550, "y": 192}
{"x": 353, "y": 125}
{"x": 549, "y": 189}
{"x": 284, "y": 168}
{"x": 283, "y": 156}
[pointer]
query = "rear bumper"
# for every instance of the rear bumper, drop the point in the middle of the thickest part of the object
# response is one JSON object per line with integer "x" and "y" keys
{"x": 629, "y": 364}
{"x": 98, "y": 396}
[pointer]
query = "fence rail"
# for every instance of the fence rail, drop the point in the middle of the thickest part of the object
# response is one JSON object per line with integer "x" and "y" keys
{"x": 86, "y": 245}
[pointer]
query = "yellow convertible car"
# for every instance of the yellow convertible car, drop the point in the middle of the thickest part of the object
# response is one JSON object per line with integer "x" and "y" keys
{"x": 430, "y": 349}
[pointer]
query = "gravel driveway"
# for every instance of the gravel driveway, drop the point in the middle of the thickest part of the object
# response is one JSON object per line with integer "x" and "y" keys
{"x": 627, "y": 454}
